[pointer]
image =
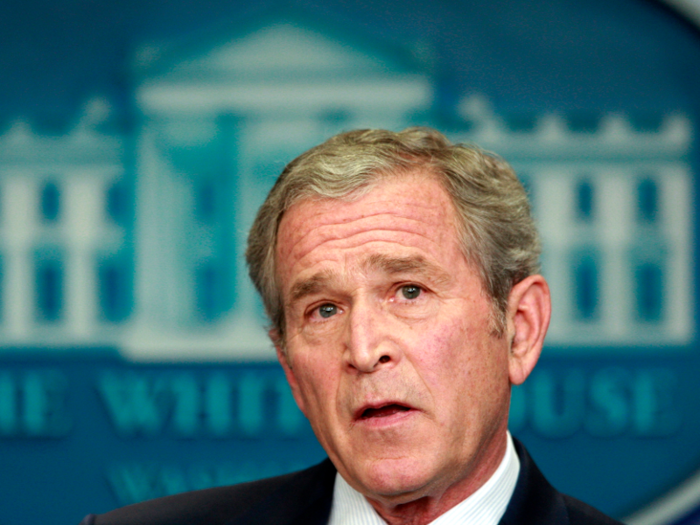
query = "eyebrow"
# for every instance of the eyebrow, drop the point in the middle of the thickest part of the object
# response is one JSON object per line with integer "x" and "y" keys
{"x": 385, "y": 263}
{"x": 309, "y": 286}
{"x": 415, "y": 264}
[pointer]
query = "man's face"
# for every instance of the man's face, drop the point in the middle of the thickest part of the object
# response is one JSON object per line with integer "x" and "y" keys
{"x": 389, "y": 341}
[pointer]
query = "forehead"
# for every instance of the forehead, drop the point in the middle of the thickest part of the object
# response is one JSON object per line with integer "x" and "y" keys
{"x": 404, "y": 213}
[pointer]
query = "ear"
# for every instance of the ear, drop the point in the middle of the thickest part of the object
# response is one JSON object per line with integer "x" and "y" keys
{"x": 527, "y": 320}
{"x": 284, "y": 360}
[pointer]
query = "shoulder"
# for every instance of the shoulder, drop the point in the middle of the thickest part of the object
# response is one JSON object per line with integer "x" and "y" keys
{"x": 581, "y": 513}
{"x": 536, "y": 502}
{"x": 291, "y": 493}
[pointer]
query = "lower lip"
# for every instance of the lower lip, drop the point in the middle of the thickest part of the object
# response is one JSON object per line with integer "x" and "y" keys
{"x": 396, "y": 418}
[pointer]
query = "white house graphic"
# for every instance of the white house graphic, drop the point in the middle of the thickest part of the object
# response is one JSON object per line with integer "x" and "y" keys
{"x": 136, "y": 239}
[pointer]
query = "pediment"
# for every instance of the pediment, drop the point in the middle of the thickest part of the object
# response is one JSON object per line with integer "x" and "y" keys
{"x": 283, "y": 48}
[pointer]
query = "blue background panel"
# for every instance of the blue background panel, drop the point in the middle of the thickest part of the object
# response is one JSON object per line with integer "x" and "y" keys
{"x": 137, "y": 140}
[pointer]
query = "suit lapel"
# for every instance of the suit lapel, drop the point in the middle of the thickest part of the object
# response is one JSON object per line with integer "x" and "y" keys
{"x": 304, "y": 500}
{"x": 534, "y": 501}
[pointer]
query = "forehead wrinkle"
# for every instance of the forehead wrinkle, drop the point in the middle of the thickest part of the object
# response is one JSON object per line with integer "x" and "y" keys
{"x": 319, "y": 210}
{"x": 357, "y": 238}
{"x": 357, "y": 223}
{"x": 391, "y": 265}
{"x": 387, "y": 263}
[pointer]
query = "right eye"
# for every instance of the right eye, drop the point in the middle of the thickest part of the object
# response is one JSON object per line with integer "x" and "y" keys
{"x": 410, "y": 291}
{"x": 327, "y": 310}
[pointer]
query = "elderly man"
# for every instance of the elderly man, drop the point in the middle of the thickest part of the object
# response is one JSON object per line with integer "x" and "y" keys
{"x": 399, "y": 272}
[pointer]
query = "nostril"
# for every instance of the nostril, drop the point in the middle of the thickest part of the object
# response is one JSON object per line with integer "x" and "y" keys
{"x": 384, "y": 359}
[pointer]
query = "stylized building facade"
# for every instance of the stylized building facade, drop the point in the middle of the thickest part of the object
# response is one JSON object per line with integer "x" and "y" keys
{"x": 136, "y": 239}
{"x": 613, "y": 201}
{"x": 65, "y": 235}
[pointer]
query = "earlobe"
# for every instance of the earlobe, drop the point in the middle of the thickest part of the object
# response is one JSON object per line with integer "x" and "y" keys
{"x": 529, "y": 311}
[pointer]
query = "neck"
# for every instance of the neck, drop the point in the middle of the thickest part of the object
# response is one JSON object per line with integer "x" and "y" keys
{"x": 424, "y": 508}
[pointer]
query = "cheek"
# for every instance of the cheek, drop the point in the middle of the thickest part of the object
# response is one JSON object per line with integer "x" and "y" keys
{"x": 315, "y": 378}
{"x": 441, "y": 357}
{"x": 447, "y": 341}
{"x": 459, "y": 360}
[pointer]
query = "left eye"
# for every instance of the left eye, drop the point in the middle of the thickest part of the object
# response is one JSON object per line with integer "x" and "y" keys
{"x": 410, "y": 291}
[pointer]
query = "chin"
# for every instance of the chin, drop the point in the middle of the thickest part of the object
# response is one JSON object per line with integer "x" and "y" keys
{"x": 396, "y": 479}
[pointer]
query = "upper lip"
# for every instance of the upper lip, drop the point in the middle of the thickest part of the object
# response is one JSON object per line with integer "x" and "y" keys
{"x": 360, "y": 412}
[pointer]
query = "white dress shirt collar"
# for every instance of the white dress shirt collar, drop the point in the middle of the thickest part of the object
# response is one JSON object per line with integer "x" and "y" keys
{"x": 485, "y": 507}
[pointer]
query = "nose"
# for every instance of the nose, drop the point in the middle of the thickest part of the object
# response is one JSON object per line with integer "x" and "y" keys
{"x": 370, "y": 344}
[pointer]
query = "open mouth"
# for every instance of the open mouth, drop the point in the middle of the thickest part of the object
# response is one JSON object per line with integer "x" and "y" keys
{"x": 383, "y": 411}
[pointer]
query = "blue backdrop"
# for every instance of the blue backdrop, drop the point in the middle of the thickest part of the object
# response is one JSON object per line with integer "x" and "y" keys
{"x": 138, "y": 138}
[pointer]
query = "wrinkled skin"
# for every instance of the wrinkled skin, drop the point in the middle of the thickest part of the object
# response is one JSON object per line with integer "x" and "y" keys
{"x": 390, "y": 349}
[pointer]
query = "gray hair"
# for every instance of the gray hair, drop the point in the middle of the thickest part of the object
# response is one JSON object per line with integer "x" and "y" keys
{"x": 496, "y": 229}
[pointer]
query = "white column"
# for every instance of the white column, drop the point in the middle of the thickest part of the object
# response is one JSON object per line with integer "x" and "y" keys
{"x": 84, "y": 202}
{"x": 163, "y": 282}
{"x": 148, "y": 280}
{"x": 20, "y": 204}
{"x": 615, "y": 230}
{"x": 676, "y": 209}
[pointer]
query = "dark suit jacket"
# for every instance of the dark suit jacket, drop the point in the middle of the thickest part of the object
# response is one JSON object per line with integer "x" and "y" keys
{"x": 304, "y": 498}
